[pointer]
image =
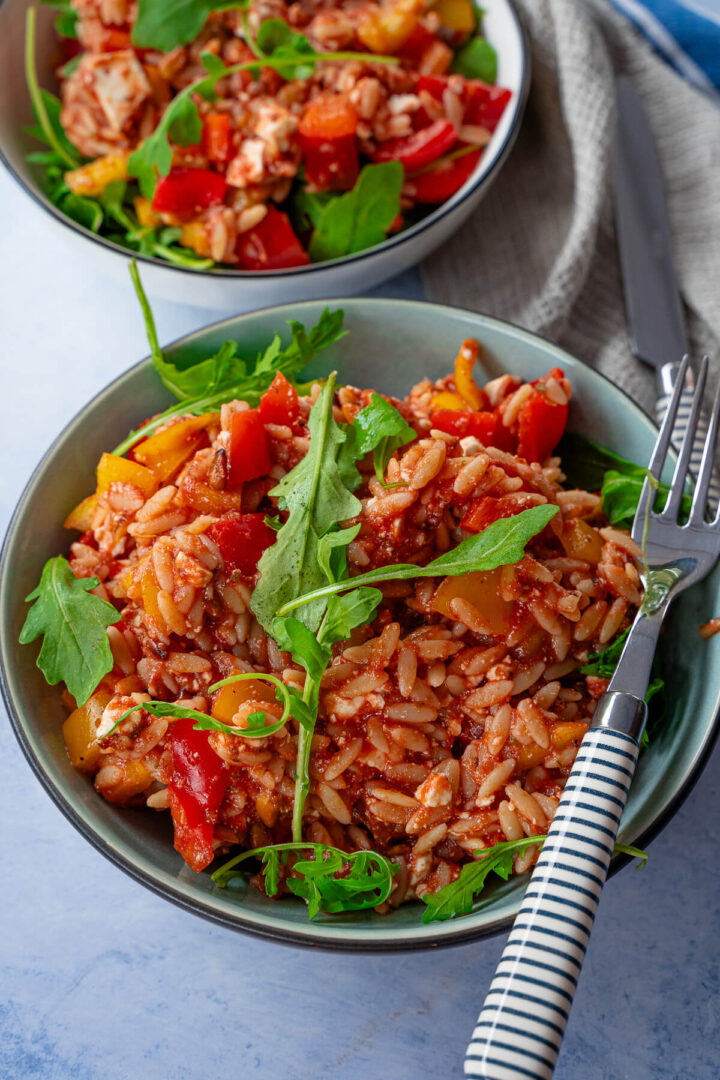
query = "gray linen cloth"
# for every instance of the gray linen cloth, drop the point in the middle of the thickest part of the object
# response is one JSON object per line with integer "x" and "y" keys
{"x": 540, "y": 250}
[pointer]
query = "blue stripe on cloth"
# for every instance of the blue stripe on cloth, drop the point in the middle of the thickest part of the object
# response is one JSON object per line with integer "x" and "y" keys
{"x": 685, "y": 32}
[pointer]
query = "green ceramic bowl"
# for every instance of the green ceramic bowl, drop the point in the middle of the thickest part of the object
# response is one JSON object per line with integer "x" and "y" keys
{"x": 391, "y": 344}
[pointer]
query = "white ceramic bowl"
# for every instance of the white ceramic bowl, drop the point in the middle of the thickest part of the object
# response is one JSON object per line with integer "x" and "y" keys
{"x": 238, "y": 290}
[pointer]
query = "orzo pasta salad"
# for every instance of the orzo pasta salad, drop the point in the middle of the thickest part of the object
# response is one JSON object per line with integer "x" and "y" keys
{"x": 268, "y": 134}
{"x": 354, "y": 637}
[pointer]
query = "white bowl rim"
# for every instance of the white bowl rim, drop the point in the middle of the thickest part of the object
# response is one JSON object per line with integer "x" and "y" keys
{"x": 392, "y": 242}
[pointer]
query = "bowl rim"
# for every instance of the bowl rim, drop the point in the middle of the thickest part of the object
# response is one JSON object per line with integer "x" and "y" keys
{"x": 447, "y": 934}
{"x": 390, "y": 243}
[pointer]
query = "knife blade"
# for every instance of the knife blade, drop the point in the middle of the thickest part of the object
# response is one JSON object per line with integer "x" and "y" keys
{"x": 652, "y": 297}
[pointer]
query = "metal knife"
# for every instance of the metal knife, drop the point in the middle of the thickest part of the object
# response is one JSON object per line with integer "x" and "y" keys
{"x": 652, "y": 298}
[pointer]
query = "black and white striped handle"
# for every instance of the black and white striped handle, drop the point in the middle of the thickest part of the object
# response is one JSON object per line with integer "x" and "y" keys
{"x": 520, "y": 1029}
{"x": 681, "y": 424}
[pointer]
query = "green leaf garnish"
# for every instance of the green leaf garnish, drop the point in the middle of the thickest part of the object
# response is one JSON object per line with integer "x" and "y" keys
{"x": 365, "y": 876}
{"x": 73, "y": 623}
{"x": 381, "y": 428}
{"x": 457, "y": 898}
{"x": 500, "y": 544}
{"x": 86, "y": 212}
{"x": 45, "y": 105}
{"x": 592, "y": 467}
{"x": 163, "y": 26}
{"x": 477, "y": 60}
{"x": 317, "y": 500}
{"x": 205, "y": 385}
{"x": 360, "y": 218}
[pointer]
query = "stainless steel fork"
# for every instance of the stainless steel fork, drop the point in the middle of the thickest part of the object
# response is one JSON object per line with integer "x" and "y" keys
{"x": 520, "y": 1029}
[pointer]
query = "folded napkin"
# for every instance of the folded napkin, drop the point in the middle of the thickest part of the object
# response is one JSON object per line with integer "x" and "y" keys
{"x": 540, "y": 250}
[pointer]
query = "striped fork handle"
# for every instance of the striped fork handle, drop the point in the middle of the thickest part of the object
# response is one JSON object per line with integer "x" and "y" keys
{"x": 667, "y": 377}
{"x": 520, "y": 1029}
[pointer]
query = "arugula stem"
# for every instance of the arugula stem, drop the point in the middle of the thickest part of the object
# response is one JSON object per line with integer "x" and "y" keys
{"x": 302, "y": 767}
{"x": 36, "y": 93}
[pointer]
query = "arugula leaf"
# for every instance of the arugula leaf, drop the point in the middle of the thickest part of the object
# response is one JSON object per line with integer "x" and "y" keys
{"x": 381, "y": 428}
{"x": 163, "y": 26}
{"x": 331, "y": 553}
{"x": 592, "y": 467}
{"x": 365, "y": 876}
{"x": 477, "y": 60}
{"x": 204, "y": 386}
{"x": 360, "y": 218}
{"x": 500, "y": 544}
{"x": 45, "y": 105}
{"x": 67, "y": 17}
{"x": 85, "y": 211}
{"x": 457, "y": 898}
{"x": 345, "y": 613}
{"x": 277, "y": 40}
{"x": 317, "y": 500}
{"x": 307, "y": 207}
{"x": 603, "y": 665}
{"x": 73, "y": 623}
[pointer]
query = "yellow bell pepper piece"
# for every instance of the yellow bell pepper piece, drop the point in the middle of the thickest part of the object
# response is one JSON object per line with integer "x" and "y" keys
{"x": 194, "y": 235}
{"x": 93, "y": 178}
{"x": 145, "y": 213}
{"x": 456, "y": 15}
{"x": 165, "y": 452}
{"x": 446, "y": 399}
{"x": 80, "y": 729}
{"x": 81, "y": 517}
{"x": 386, "y": 28}
{"x": 118, "y": 470}
{"x": 136, "y": 778}
{"x": 465, "y": 385}
{"x": 232, "y": 697}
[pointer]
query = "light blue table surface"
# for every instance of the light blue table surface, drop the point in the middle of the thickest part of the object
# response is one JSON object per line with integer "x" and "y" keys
{"x": 102, "y": 980}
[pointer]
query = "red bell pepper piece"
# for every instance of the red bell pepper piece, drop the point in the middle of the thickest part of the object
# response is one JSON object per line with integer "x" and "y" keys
{"x": 249, "y": 451}
{"x": 438, "y": 184}
{"x": 242, "y": 538}
{"x": 271, "y": 245}
{"x": 328, "y": 142}
{"x": 418, "y": 43}
{"x": 485, "y": 426}
{"x": 435, "y": 85}
{"x": 483, "y": 511}
{"x": 216, "y": 135}
{"x": 419, "y": 149}
{"x": 279, "y": 404}
{"x": 199, "y": 782}
{"x": 541, "y": 422}
{"x": 484, "y": 104}
{"x": 188, "y": 191}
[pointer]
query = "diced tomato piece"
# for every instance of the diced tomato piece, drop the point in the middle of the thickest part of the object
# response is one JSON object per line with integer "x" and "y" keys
{"x": 271, "y": 245}
{"x": 485, "y": 426}
{"x": 435, "y": 85}
{"x": 114, "y": 39}
{"x": 279, "y": 404}
{"x": 438, "y": 184}
{"x": 197, "y": 788}
{"x": 188, "y": 191}
{"x": 484, "y": 104}
{"x": 216, "y": 137}
{"x": 541, "y": 422}
{"x": 483, "y": 511}
{"x": 418, "y": 43}
{"x": 328, "y": 142}
{"x": 419, "y": 149}
{"x": 242, "y": 538}
{"x": 249, "y": 451}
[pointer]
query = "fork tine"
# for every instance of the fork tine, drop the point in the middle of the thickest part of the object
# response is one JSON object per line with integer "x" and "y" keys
{"x": 659, "y": 453}
{"x": 674, "y": 501}
{"x": 704, "y": 478}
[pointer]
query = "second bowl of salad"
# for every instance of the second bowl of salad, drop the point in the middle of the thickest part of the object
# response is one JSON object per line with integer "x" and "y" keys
{"x": 261, "y": 152}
